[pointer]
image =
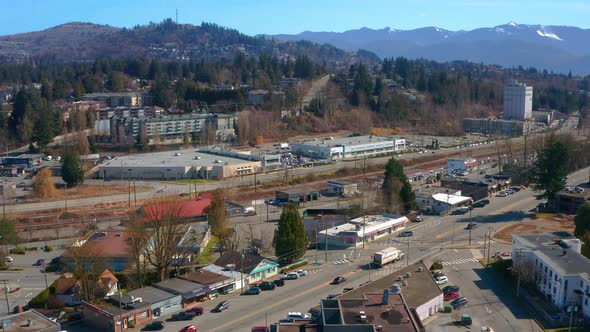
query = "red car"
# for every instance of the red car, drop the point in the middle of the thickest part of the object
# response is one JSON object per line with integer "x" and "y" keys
{"x": 451, "y": 296}
{"x": 198, "y": 311}
{"x": 189, "y": 328}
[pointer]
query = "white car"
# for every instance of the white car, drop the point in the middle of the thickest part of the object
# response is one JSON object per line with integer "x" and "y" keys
{"x": 297, "y": 315}
{"x": 301, "y": 273}
{"x": 486, "y": 329}
{"x": 8, "y": 259}
{"x": 441, "y": 280}
{"x": 292, "y": 276}
{"x": 418, "y": 219}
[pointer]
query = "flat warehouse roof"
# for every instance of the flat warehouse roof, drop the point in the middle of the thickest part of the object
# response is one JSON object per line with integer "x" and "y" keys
{"x": 178, "y": 158}
{"x": 356, "y": 140}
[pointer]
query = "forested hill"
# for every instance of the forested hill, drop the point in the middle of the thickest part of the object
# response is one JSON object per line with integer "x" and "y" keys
{"x": 166, "y": 40}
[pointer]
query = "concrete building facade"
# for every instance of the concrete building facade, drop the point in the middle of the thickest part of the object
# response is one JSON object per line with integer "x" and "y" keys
{"x": 180, "y": 164}
{"x": 348, "y": 147}
{"x": 501, "y": 127}
{"x": 518, "y": 101}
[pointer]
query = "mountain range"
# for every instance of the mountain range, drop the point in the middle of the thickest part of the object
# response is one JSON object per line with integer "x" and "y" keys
{"x": 78, "y": 41}
{"x": 554, "y": 48}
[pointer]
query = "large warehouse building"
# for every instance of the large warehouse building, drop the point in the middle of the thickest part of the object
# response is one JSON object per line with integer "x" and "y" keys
{"x": 348, "y": 147}
{"x": 180, "y": 164}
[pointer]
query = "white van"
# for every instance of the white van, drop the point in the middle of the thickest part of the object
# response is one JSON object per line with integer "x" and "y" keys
{"x": 48, "y": 158}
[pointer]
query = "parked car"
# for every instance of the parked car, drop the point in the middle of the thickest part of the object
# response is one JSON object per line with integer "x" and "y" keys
{"x": 268, "y": 285}
{"x": 451, "y": 296}
{"x": 189, "y": 328}
{"x": 478, "y": 204}
{"x": 297, "y": 316}
{"x": 471, "y": 225}
{"x": 501, "y": 194}
{"x": 406, "y": 234}
{"x": 450, "y": 289}
{"x": 459, "y": 302}
{"x": 154, "y": 326}
{"x": 183, "y": 316}
{"x": 291, "y": 276}
{"x": 441, "y": 280}
{"x": 279, "y": 282}
{"x": 221, "y": 306}
{"x": 8, "y": 259}
{"x": 39, "y": 262}
{"x": 338, "y": 280}
{"x": 253, "y": 291}
{"x": 198, "y": 311}
{"x": 418, "y": 219}
{"x": 462, "y": 210}
{"x": 301, "y": 273}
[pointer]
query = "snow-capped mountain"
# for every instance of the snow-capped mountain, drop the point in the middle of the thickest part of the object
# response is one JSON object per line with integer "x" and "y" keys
{"x": 557, "y": 48}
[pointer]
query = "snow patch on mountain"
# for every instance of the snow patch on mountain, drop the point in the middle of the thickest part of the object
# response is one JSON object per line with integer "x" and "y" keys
{"x": 548, "y": 35}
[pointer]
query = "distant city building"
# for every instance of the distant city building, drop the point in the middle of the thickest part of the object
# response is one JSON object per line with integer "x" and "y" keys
{"x": 125, "y": 112}
{"x": 258, "y": 97}
{"x": 544, "y": 116}
{"x": 553, "y": 263}
{"x": 115, "y": 99}
{"x": 518, "y": 101}
{"x": 498, "y": 126}
{"x": 348, "y": 147}
{"x": 461, "y": 165}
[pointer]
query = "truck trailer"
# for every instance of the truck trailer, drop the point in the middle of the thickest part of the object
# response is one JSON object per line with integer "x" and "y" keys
{"x": 387, "y": 255}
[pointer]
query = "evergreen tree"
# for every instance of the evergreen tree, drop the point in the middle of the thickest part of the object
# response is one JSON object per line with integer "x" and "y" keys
{"x": 582, "y": 220}
{"x": 398, "y": 195}
{"x": 290, "y": 241}
{"x": 8, "y": 232}
{"x": 71, "y": 169}
{"x": 549, "y": 172}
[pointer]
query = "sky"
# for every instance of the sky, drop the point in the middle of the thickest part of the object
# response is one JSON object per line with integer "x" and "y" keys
{"x": 293, "y": 16}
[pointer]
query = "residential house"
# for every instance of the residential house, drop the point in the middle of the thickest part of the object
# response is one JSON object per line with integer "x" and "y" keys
{"x": 253, "y": 267}
{"x": 100, "y": 250}
{"x": 68, "y": 289}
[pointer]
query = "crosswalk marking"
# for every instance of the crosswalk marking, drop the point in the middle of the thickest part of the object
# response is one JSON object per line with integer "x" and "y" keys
{"x": 341, "y": 261}
{"x": 460, "y": 261}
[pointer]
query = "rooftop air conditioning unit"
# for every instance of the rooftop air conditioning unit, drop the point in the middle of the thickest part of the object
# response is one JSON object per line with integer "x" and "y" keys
{"x": 420, "y": 269}
{"x": 400, "y": 278}
{"x": 408, "y": 275}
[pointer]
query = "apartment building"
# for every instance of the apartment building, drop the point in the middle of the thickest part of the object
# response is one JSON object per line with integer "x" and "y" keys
{"x": 553, "y": 262}
{"x": 518, "y": 101}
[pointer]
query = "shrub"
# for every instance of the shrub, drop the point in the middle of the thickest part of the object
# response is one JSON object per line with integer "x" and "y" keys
{"x": 18, "y": 250}
{"x": 48, "y": 248}
{"x": 436, "y": 266}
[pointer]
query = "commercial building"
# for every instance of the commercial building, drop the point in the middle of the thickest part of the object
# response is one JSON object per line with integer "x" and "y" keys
{"x": 105, "y": 249}
{"x": 417, "y": 286}
{"x": 115, "y": 99}
{"x": 444, "y": 203}
{"x": 569, "y": 201}
{"x": 180, "y": 164}
{"x": 518, "y": 101}
{"x": 461, "y": 165}
{"x": 233, "y": 281}
{"x": 116, "y": 314}
{"x": 170, "y": 128}
{"x": 363, "y": 229}
{"x": 30, "y": 320}
{"x": 425, "y": 199}
{"x": 477, "y": 190}
{"x": 348, "y": 147}
{"x": 297, "y": 195}
{"x": 267, "y": 160}
{"x": 192, "y": 293}
{"x": 552, "y": 262}
{"x": 342, "y": 187}
{"x": 501, "y": 127}
{"x": 161, "y": 302}
{"x": 216, "y": 282}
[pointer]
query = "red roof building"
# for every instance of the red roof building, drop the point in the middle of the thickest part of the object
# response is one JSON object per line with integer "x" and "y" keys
{"x": 192, "y": 209}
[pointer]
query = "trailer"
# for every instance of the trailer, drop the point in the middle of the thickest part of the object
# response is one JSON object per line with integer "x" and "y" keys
{"x": 386, "y": 256}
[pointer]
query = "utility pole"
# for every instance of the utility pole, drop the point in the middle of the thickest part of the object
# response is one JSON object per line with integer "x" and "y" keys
{"x": 317, "y": 231}
{"x": 242, "y": 272}
{"x": 129, "y": 190}
{"x": 470, "y": 226}
{"x": 6, "y": 295}
{"x": 326, "y": 245}
{"x": 408, "y": 253}
{"x": 45, "y": 271}
{"x": 489, "y": 245}
{"x": 135, "y": 194}
{"x": 66, "y": 197}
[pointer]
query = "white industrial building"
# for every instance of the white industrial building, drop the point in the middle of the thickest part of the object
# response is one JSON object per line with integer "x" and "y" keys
{"x": 179, "y": 164}
{"x": 553, "y": 262}
{"x": 363, "y": 229}
{"x": 461, "y": 165}
{"x": 518, "y": 101}
{"x": 348, "y": 147}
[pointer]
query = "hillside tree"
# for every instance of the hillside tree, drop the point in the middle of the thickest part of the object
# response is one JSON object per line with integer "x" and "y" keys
{"x": 290, "y": 241}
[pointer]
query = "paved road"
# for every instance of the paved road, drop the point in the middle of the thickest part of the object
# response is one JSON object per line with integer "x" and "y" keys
{"x": 316, "y": 87}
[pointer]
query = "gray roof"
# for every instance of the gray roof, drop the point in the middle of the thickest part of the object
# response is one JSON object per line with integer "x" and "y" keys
{"x": 553, "y": 249}
{"x": 151, "y": 294}
{"x": 186, "y": 158}
{"x": 420, "y": 288}
{"x": 347, "y": 141}
{"x": 179, "y": 285}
